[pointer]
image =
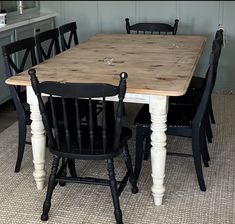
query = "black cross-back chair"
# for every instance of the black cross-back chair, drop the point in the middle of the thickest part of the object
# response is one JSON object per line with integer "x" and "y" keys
{"x": 26, "y": 47}
{"x": 88, "y": 141}
{"x": 71, "y": 30}
{"x": 185, "y": 122}
{"x": 196, "y": 88}
{"x": 151, "y": 28}
{"x": 47, "y": 44}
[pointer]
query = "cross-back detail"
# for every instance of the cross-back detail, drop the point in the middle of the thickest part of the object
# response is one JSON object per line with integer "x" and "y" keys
{"x": 27, "y": 45}
{"x": 51, "y": 36}
{"x": 71, "y": 136}
{"x": 18, "y": 94}
{"x": 9, "y": 50}
{"x": 70, "y": 28}
{"x": 152, "y": 28}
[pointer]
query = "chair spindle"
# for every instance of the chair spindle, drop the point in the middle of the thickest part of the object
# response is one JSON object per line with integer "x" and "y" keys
{"x": 78, "y": 124}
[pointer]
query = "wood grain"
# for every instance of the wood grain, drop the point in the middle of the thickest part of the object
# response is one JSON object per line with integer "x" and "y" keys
{"x": 156, "y": 65}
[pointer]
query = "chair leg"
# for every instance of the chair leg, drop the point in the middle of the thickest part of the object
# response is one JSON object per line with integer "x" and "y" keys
{"x": 51, "y": 186}
{"x": 128, "y": 162}
{"x": 114, "y": 191}
{"x": 204, "y": 149}
{"x": 64, "y": 173}
{"x": 21, "y": 144}
{"x": 211, "y": 111}
{"x": 124, "y": 110}
{"x": 72, "y": 169}
{"x": 147, "y": 146}
{"x": 209, "y": 133}
{"x": 197, "y": 159}
{"x": 139, "y": 151}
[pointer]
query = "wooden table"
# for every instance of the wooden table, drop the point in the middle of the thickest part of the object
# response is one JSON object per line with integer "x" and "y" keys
{"x": 157, "y": 67}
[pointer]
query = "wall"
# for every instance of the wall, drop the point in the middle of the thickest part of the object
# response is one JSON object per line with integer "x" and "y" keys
{"x": 196, "y": 17}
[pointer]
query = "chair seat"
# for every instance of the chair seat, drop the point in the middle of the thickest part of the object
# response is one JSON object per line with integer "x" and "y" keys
{"x": 177, "y": 116}
{"x": 191, "y": 98}
{"x": 27, "y": 117}
{"x": 180, "y": 116}
{"x": 85, "y": 152}
{"x": 193, "y": 94}
{"x": 197, "y": 83}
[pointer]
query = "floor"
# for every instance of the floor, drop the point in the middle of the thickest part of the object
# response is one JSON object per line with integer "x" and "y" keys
{"x": 7, "y": 115}
{"x": 184, "y": 203}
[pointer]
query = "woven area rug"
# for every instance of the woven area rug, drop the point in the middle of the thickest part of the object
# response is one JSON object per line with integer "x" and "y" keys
{"x": 183, "y": 202}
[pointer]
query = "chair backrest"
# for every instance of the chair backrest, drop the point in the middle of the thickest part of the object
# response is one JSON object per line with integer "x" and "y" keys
{"x": 47, "y": 44}
{"x": 219, "y": 37}
{"x": 217, "y": 43}
{"x": 74, "y": 137}
{"x": 209, "y": 83}
{"x": 71, "y": 30}
{"x": 25, "y": 46}
{"x": 152, "y": 28}
{"x": 28, "y": 59}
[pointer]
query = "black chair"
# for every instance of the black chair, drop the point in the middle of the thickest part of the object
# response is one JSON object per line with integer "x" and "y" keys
{"x": 71, "y": 30}
{"x": 47, "y": 44}
{"x": 26, "y": 48}
{"x": 197, "y": 85}
{"x": 196, "y": 88}
{"x": 88, "y": 141}
{"x": 152, "y": 28}
{"x": 186, "y": 122}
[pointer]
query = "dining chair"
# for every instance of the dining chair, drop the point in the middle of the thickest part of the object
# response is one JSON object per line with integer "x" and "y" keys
{"x": 28, "y": 59}
{"x": 196, "y": 88}
{"x": 78, "y": 141}
{"x": 69, "y": 29}
{"x": 182, "y": 121}
{"x": 47, "y": 44}
{"x": 151, "y": 28}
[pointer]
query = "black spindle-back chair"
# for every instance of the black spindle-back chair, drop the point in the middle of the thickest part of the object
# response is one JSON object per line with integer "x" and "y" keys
{"x": 74, "y": 140}
{"x": 71, "y": 30}
{"x": 13, "y": 67}
{"x": 151, "y": 28}
{"x": 47, "y": 44}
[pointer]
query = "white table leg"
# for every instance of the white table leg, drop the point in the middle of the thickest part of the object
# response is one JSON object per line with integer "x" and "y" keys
{"x": 158, "y": 108}
{"x": 38, "y": 139}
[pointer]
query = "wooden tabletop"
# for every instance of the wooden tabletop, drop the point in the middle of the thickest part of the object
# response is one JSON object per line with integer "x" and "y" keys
{"x": 155, "y": 64}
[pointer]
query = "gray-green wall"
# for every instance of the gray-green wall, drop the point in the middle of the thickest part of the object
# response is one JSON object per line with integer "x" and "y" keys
{"x": 196, "y": 17}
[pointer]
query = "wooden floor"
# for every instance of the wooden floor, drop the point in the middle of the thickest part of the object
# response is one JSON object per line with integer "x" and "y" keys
{"x": 7, "y": 115}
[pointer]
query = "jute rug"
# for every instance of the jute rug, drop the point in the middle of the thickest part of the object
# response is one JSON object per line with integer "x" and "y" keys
{"x": 21, "y": 202}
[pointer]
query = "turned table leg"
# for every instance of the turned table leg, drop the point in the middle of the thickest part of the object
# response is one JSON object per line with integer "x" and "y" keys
{"x": 158, "y": 107}
{"x": 38, "y": 139}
